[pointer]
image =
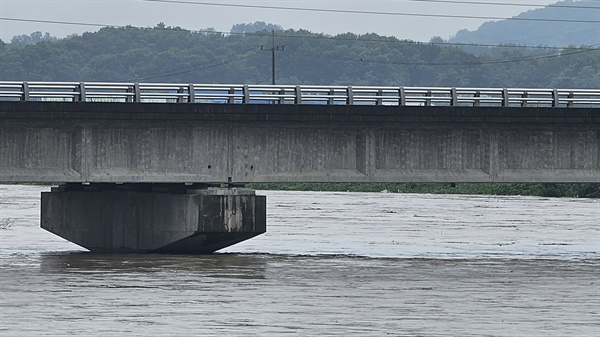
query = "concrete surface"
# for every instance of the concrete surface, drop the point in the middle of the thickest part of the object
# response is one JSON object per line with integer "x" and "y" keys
{"x": 194, "y": 143}
{"x": 115, "y": 219}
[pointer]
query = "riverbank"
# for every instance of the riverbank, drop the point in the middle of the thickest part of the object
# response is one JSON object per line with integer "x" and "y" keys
{"x": 587, "y": 190}
{"x": 556, "y": 190}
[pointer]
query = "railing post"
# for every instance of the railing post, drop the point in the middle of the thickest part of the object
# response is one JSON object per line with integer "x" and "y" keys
{"x": 428, "y": 98}
{"x": 555, "y": 99}
{"x": 505, "y": 101}
{"x": 134, "y": 90}
{"x": 349, "y": 96}
{"x": 81, "y": 95}
{"x": 191, "y": 93}
{"x": 231, "y": 99}
{"x": 402, "y": 97}
{"x": 298, "y": 92}
{"x": 137, "y": 95}
{"x": 281, "y": 94}
{"x": 331, "y": 100}
{"x": 379, "y": 100}
{"x": 180, "y": 93}
{"x": 476, "y": 98}
{"x": 570, "y": 102}
{"x": 524, "y": 101}
{"x": 246, "y": 93}
{"x": 25, "y": 96}
{"x": 129, "y": 98}
{"x": 454, "y": 97}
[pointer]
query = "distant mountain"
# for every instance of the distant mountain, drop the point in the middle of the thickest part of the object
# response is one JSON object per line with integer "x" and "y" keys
{"x": 544, "y": 33}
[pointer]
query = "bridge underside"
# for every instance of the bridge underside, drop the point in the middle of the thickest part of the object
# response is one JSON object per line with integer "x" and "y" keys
{"x": 195, "y": 143}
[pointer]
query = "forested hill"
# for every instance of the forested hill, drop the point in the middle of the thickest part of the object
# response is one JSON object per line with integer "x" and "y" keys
{"x": 546, "y": 33}
{"x": 165, "y": 54}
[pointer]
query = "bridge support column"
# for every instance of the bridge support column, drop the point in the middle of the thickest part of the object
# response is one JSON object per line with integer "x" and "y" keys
{"x": 169, "y": 218}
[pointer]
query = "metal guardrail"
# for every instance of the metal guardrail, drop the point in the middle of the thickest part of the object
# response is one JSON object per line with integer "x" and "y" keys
{"x": 295, "y": 94}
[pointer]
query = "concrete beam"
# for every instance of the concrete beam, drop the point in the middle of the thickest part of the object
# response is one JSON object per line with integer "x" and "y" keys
{"x": 204, "y": 143}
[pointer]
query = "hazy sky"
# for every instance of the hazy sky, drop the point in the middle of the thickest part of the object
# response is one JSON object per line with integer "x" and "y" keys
{"x": 200, "y": 16}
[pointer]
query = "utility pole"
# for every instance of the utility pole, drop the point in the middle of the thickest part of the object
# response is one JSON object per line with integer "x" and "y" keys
{"x": 274, "y": 49}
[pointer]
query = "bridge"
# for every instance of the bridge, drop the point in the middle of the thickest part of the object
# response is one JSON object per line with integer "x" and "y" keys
{"x": 136, "y": 161}
{"x": 174, "y": 133}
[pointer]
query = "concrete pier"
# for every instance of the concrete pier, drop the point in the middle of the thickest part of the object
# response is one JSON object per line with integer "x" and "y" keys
{"x": 170, "y": 218}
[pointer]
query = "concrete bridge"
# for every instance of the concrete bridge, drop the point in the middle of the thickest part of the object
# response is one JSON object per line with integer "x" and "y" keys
{"x": 135, "y": 160}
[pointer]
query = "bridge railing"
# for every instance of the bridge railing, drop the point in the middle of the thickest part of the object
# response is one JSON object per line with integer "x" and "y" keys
{"x": 296, "y": 94}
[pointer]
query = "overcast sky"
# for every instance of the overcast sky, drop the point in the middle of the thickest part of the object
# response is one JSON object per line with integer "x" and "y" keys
{"x": 200, "y": 16}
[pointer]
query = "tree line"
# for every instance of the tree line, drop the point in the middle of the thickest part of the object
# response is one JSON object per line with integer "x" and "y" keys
{"x": 172, "y": 54}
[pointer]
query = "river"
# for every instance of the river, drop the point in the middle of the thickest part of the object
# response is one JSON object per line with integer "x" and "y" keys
{"x": 331, "y": 264}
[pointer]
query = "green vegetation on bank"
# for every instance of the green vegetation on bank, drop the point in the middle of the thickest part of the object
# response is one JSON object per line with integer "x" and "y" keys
{"x": 588, "y": 190}
{"x": 172, "y": 54}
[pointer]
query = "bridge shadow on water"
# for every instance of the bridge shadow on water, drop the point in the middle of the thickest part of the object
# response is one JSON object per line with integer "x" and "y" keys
{"x": 216, "y": 265}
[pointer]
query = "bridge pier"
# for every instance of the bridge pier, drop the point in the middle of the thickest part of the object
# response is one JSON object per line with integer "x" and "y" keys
{"x": 169, "y": 218}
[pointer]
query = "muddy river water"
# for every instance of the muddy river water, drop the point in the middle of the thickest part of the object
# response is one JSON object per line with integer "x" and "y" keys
{"x": 331, "y": 264}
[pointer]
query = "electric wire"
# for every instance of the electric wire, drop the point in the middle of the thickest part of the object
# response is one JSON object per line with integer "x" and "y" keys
{"x": 347, "y": 11}
{"x": 364, "y": 60}
{"x": 71, "y": 23}
{"x": 196, "y": 68}
{"x": 508, "y": 4}
{"x": 374, "y": 62}
{"x": 491, "y": 62}
{"x": 394, "y": 40}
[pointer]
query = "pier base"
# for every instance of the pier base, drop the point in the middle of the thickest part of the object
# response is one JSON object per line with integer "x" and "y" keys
{"x": 169, "y": 218}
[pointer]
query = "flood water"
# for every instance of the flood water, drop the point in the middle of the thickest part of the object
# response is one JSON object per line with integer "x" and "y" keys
{"x": 331, "y": 264}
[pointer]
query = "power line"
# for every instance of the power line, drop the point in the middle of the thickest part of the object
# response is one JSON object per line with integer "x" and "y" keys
{"x": 251, "y": 52}
{"x": 317, "y": 36}
{"x": 513, "y": 60}
{"x": 539, "y": 57}
{"x": 62, "y": 22}
{"x": 557, "y": 5}
{"x": 179, "y": 71}
{"x": 394, "y": 40}
{"x": 192, "y": 69}
{"x": 347, "y": 11}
